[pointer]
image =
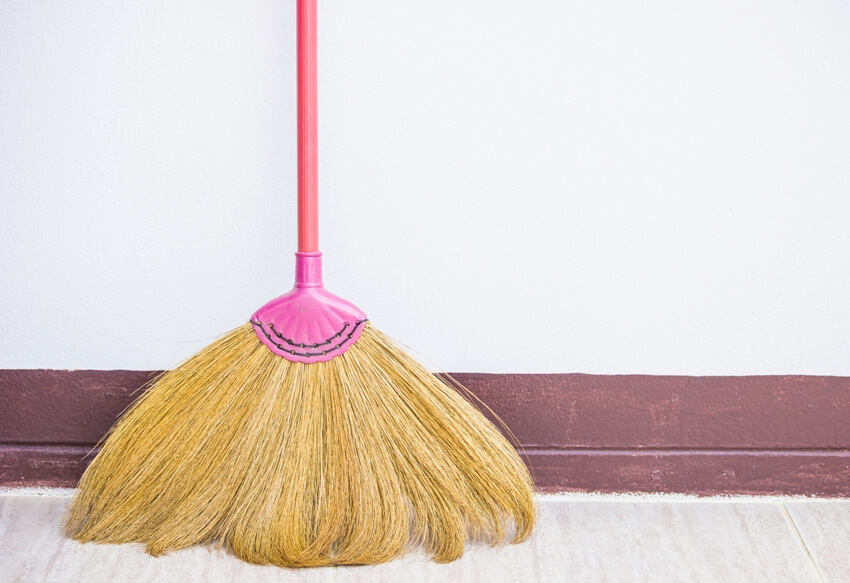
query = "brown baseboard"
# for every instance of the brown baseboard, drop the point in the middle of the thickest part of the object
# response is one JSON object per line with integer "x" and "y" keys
{"x": 787, "y": 435}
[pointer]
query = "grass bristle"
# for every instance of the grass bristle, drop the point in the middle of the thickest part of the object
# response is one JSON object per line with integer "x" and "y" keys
{"x": 351, "y": 461}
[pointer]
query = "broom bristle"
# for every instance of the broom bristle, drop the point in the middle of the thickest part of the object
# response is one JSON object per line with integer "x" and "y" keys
{"x": 350, "y": 461}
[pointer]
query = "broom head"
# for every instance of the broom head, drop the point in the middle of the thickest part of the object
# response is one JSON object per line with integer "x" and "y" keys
{"x": 352, "y": 459}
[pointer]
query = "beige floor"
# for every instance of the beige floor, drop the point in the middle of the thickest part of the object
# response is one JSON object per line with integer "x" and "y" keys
{"x": 580, "y": 538}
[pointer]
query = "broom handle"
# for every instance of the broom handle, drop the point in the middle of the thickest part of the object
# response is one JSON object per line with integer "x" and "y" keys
{"x": 308, "y": 129}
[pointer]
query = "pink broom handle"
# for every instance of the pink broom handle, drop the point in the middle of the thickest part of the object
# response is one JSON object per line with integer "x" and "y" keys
{"x": 308, "y": 129}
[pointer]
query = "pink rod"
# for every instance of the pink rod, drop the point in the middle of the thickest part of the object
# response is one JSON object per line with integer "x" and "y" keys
{"x": 308, "y": 129}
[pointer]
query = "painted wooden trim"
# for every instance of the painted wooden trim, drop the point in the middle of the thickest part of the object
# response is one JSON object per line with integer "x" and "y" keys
{"x": 629, "y": 433}
{"x": 704, "y": 472}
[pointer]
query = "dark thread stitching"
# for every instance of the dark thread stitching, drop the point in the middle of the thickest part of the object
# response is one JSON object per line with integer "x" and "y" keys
{"x": 311, "y": 354}
{"x": 301, "y": 344}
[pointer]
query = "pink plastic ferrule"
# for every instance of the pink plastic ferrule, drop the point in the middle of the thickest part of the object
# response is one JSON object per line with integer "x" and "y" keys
{"x": 308, "y": 324}
{"x": 308, "y": 270}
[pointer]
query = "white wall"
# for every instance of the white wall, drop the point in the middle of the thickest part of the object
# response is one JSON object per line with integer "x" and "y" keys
{"x": 607, "y": 187}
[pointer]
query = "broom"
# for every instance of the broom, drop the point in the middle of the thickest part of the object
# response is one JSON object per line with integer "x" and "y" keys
{"x": 304, "y": 437}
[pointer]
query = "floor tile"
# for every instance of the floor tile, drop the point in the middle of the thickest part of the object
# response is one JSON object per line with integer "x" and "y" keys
{"x": 599, "y": 541}
{"x": 824, "y": 525}
{"x": 33, "y": 550}
{"x": 576, "y": 540}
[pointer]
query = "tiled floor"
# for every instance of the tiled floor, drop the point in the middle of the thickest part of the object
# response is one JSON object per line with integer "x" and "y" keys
{"x": 580, "y": 538}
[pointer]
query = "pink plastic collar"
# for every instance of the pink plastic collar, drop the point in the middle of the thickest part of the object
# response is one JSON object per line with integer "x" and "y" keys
{"x": 308, "y": 324}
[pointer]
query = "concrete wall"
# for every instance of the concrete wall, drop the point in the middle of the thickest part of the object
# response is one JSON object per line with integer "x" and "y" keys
{"x": 607, "y": 187}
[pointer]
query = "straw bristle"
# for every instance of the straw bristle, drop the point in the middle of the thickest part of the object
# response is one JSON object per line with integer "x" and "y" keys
{"x": 350, "y": 461}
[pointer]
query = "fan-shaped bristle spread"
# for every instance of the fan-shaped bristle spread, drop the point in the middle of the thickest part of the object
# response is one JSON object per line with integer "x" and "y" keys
{"x": 350, "y": 461}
